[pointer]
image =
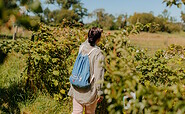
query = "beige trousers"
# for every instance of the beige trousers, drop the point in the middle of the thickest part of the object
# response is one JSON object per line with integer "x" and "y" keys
{"x": 78, "y": 108}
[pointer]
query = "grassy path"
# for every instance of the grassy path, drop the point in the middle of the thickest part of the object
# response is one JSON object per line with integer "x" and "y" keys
{"x": 154, "y": 41}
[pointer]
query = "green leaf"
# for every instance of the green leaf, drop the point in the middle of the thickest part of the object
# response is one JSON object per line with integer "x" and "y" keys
{"x": 171, "y": 77}
{"x": 46, "y": 58}
{"x": 55, "y": 82}
{"x": 62, "y": 91}
{"x": 54, "y": 60}
{"x": 179, "y": 5}
{"x": 56, "y": 73}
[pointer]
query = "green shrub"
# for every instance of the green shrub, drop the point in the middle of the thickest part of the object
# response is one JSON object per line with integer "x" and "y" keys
{"x": 51, "y": 58}
{"x": 156, "y": 23}
{"x": 172, "y": 27}
{"x": 158, "y": 81}
{"x": 143, "y": 18}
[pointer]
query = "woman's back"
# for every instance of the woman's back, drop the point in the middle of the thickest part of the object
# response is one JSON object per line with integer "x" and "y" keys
{"x": 88, "y": 95}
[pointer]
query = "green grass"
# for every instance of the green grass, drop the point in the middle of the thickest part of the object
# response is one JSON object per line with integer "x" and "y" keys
{"x": 14, "y": 99}
{"x": 10, "y": 70}
{"x": 11, "y": 91}
{"x": 44, "y": 104}
{"x": 155, "y": 41}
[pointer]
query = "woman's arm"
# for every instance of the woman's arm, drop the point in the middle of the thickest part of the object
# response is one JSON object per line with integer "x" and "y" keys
{"x": 99, "y": 73}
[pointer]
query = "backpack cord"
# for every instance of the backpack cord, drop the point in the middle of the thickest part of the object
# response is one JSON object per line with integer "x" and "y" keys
{"x": 80, "y": 50}
{"x": 92, "y": 78}
{"x": 91, "y": 51}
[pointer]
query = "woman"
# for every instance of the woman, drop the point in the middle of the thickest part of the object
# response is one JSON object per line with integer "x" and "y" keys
{"x": 89, "y": 97}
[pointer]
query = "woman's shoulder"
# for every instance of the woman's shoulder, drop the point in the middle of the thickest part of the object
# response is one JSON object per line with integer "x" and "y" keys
{"x": 98, "y": 52}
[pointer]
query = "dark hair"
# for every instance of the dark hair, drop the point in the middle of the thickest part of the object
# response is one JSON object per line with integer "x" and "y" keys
{"x": 93, "y": 35}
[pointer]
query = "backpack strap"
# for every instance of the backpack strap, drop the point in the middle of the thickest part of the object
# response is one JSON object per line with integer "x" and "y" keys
{"x": 92, "y": 78}
{"x": 81, "y": 48}
{"x": 91, "y": 51}
{"x": 88, "y": 55}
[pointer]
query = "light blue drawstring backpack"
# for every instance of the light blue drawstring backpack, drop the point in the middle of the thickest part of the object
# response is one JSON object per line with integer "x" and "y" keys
{"x": 81, "y": 70}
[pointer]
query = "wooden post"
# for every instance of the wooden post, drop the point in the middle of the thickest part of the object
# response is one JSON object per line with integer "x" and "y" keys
{"x": 14, "y": 35}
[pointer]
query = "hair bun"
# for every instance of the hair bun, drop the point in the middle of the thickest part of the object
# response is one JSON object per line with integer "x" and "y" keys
{"x": 94, "y": 34}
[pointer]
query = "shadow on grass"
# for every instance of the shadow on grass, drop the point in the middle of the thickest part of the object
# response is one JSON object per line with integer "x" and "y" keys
{"x": 10, "y": 97}
{"x": 2, "y": 57}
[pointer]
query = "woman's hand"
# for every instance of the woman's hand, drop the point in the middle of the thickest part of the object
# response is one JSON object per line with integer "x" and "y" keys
{"x": 100, "y": 98}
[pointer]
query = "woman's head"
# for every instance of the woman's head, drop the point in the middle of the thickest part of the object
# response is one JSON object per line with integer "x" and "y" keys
{"x": 94, "y": 35}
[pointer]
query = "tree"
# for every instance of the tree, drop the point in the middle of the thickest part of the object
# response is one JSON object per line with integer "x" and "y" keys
{"x": 46, "y": 14}
{"x": 165, "y": 14}
{"x": 65, "y": 4}
{"x": 17, "y": 9}
{"x": 21, "y": 10}
{"x": 183, "y": 16}
{"x": 121, "y": 21}
{"x": 57, "y": 16}
{"x": 183, "y": 19}
{"x": 110, "y": 22}
{"x": 178, "y": 3}
{"x": 73, "y": 7}
{"x": 101, "y": 16}
{"x": 80, "y": 11}
{"x": 107, "y": 21}
{"x": 98, "y": 14}
{"x": 143, "y": 18}
{"x": 7, "y": 8}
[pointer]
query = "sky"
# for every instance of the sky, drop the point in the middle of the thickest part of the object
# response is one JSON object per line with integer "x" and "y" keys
{"x": 117, "y": 7}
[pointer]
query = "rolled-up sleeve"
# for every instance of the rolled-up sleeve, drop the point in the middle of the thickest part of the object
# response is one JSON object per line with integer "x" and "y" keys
{"x": 99, "y": 73}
